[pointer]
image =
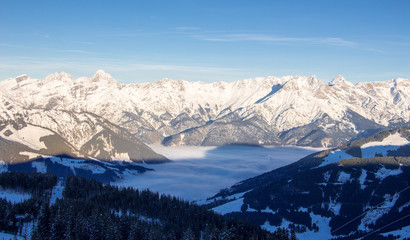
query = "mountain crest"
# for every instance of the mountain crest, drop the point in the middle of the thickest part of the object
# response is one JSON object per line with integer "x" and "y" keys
{"x": 101, "y": 75}
{"x": 58, "y": 76}
{"x": 340, "y": 81}
{"x": 22, "y": 78}
{"x": 294, "y": 110}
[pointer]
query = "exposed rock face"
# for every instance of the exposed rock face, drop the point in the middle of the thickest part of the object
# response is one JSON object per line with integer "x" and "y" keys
{"x": 288, "y": 110}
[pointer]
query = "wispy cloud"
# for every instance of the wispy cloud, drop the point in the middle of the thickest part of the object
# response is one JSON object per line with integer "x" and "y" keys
{"x": 11, "y": 45}
{"x": 58, "y": 50}
{"x": 78, "y": 42}
{"x": 267, "y": 38}
{"x": 79, "y": 51}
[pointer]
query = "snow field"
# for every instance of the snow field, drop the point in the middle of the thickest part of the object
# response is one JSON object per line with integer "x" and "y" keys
{"x": 29, "y": 136}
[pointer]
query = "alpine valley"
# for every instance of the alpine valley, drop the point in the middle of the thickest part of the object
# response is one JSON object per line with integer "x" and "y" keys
{"x": 99, "y": 128}
{"x": 357, "y": 191}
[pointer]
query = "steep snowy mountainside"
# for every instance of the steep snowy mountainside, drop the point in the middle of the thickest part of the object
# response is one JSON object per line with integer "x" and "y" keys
{"x": 292, "y": 110}
{"x": 29, "y": 133}
{"x": 342, "y": 193}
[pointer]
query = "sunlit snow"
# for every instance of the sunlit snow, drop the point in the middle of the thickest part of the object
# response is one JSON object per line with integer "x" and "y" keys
{"x": 29, "y": 136}
{"x": 390, "y": 143}
{"x": 393, "y": 140}
{"x": 334, "y": 157}
{"x": 197, "y": 173}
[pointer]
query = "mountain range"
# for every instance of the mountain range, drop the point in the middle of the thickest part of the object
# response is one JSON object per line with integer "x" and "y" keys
{"x": 100, "y": 118}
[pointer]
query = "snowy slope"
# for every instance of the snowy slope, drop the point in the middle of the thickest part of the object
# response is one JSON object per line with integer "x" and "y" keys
{"x": 28, "y": 133}
{"x": 346, "y": 192}
{"x": 279, "y": 110}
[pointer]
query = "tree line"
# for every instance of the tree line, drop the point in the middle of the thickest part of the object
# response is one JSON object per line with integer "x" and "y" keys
{"x": 92, "y": 210}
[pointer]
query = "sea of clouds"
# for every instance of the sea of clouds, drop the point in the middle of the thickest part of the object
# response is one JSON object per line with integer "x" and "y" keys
{"x": 197, "y": 172}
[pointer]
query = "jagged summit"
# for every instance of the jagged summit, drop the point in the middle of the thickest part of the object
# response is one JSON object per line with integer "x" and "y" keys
{"x": 22, "y": 78}
{"x": 58, "y": 76}
{"x": 102, "y": 75}
{"x": 288, "y": 110}
{"x": 340, "y": 80}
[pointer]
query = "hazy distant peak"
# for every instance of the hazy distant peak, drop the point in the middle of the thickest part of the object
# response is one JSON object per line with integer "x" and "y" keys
{"x": 58, "y": 76}
{"x": 101, "y": 75}
{"x": 22, "y": 78}
{"x": 340, "y": 80}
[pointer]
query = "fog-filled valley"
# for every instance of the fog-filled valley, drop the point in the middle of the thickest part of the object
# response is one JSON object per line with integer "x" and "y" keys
{"x": 197, "y": 173}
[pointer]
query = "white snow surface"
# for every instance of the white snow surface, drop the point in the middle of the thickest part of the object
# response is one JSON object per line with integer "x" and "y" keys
{"x": 404, "y": 233}
{"x": 384, "y": 172}
{"x": 321, "y": 222}
{"x": 284, "y": 103}
{"x": 392, "y": 140}
{"x": 362, "y": 179}
{"x": 343, "y": 177}
{"x": 230, "y": 197}
{"x": 31, "y": 155}
{"x": 372, "y": 151}
{"x": 324, "y": 229}
{"x": 7, "y": 236}
{"x": 211, "y": 169}
{"x": 369, "y": 150}
{"x": 29, "y": 136}
{"x": 40, "y": 166}
{"x": 13, "y": 196}
{"x": 373, "y": 215}
{"x": 57, "y": 192}
{"x": 334, "y": 157}
{"x": 3, "y": 167}
{"x": 390, "y": 143}
{"x": 77, "y": 163}
{"x": 233, "y": 206}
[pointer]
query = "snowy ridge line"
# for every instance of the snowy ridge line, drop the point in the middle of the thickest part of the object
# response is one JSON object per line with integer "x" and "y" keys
{"x": 191, "y": 113}
{"x": 375, "y": 207}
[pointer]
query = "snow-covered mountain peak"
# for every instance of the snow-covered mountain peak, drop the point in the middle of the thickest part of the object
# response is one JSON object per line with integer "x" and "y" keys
{"x": 302, "y": 82}
{"x": 57, "y": 78}
{"x": 155, "y": 110}
{"x": 101, "y": 75}
{"x": 401, "y": 81}
{"x": 22, "y": 78}
{"x": 340, "y": 81}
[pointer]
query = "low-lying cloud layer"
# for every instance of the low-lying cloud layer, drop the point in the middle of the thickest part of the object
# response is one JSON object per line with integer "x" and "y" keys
{"x": 197, "y": 173}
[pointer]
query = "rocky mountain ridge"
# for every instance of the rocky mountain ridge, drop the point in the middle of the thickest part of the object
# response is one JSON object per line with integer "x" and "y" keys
{"x": 289, "y": 110}
{"x": 29, "y": 133}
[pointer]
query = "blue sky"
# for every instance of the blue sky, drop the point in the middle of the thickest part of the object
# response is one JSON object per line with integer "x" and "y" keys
{"x": 140, "y": 41}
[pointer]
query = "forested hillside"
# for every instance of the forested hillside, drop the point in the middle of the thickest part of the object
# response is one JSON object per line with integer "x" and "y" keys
{"x": 87, "y": 209}
{"x": 360, "y": 190}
